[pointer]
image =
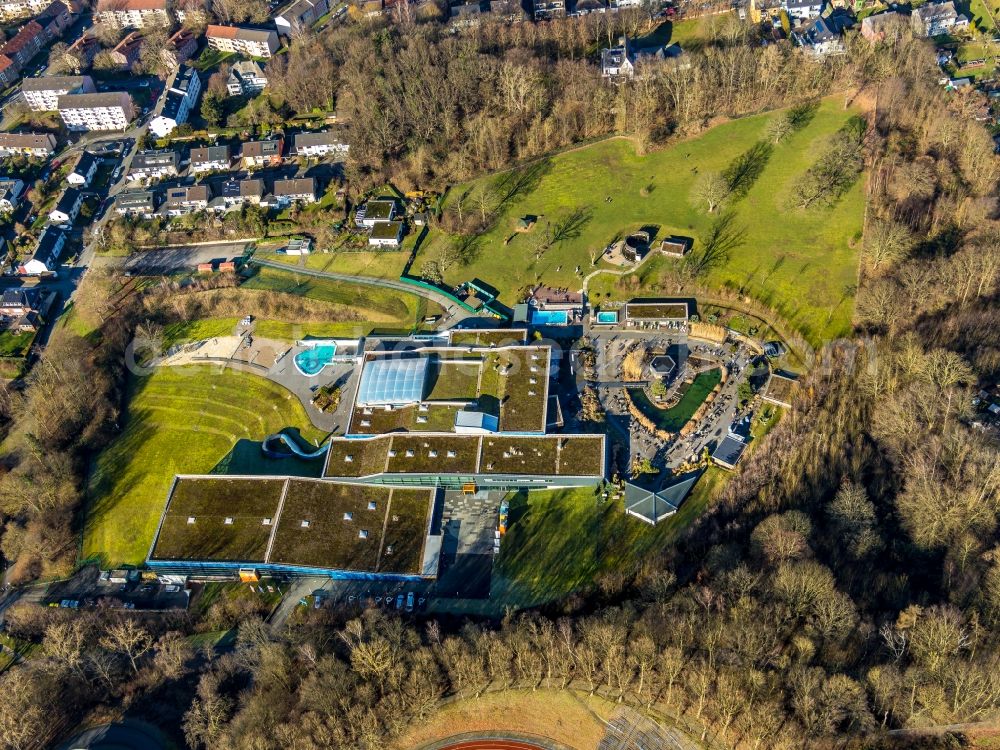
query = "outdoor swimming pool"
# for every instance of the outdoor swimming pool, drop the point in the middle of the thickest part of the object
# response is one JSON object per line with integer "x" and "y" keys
{"x": 312, "y": 360}
{"x": 607, "y": 316}
{"x": 549, "y": 317}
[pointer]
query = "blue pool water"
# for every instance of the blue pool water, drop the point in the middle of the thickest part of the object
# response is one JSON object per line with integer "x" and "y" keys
{"x": 607, "y": 316}
{"x": 550, "y": 317}
{"x": 314, "y": 359}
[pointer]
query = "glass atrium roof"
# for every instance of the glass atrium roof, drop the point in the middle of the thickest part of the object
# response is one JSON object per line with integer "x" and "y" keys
{"x": 393, "y": 381}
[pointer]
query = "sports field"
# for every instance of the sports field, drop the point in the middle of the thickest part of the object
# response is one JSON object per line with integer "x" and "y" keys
{"x": 803, "y": 262}
{"x": 182, "y": 420}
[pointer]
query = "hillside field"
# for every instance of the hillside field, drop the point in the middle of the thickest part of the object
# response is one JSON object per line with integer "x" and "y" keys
{"x": 188, "y": 420}
{"x": 802, "y": 262}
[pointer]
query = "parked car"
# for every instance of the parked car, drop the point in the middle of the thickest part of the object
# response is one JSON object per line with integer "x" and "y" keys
{"x": 399, "y": 602}
{"x": 409, "y": 602}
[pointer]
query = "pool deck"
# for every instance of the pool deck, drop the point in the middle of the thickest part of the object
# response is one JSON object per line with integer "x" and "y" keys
{"x": 273, "y": 360}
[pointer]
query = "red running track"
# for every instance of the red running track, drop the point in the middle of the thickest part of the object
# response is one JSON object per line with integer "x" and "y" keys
{"x": 492, "y": 745}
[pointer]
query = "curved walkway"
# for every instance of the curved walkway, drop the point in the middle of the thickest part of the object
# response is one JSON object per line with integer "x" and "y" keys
{"x": 453, "y": 313}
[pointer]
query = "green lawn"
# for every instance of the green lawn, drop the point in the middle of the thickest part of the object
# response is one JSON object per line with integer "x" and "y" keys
{"x": 801, "y": 262}
{"x": 182, "y": 420}
{"x": 207, "y": 328}
{"x": 677, "y": 416}
{"x": 15, "y": 344}
{"x": 389, "y": 309}
{"x": 381, "y": 265}
{"x": 559, "y": 541}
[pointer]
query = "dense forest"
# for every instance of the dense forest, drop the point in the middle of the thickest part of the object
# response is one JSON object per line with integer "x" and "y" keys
{"x": 847, "y": 581}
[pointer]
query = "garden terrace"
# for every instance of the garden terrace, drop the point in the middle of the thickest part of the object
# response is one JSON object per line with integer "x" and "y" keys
{"x": 433, "y": 454}
{"x": 488, "y": 337}
{"x": 519, "y": 455}
{"x": 656, "y": 311}
{"x": 228, "y": 519}
{"x": 579, "y": 453}
{"x": 315, "y": 530}
{"x": 405, "y": 531}
{"x": 455, "y": 380}
{"x": 356, "y": 458}
{"x": 377, "y": 420}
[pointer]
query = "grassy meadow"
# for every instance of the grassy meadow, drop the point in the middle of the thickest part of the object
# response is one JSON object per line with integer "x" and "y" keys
{"x": 802, "y": 262}
{"x": 559, "y": 541}
{"x": 181, "y": 420}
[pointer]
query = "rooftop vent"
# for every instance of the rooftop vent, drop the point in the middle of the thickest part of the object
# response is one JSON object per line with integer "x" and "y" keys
{"x": 348, "y": 516}
{"x": 304, "y": 524}
{"x": 348, "y": 458}
{"x": 190, "y": 519}
{"x": 265, "y": 522}
{"x": 363, "y": 534}
{"x": 228, "y": 521}
{"x": 372, "y": 505}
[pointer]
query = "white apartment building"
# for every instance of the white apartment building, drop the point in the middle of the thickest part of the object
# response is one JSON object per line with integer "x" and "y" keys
{"x": 132, "y": 14}
{"x": 82, "y": 112}
{"x": 42, "y": 92}
{"x": 12, "y": 10}
{"x": 242, "y": 41}
{"x": 181, "y": 97}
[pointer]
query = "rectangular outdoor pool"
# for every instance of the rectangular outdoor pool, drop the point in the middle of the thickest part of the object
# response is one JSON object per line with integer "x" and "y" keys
{"x": 549, "y": 317}
{"x": 607, "y": 317}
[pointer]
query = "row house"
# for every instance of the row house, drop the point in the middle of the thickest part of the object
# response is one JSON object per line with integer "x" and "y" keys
{"x": 320, "y": 144}
{"x": 186, "y": 199}
{"x": 36, "y": 145}
{"x": 42, "y": 93}
{"x": 45, "y": 258}
{"x": 154, "y": 165}
{"x": 266, "y": 153}
{"x": 210, "y": 159}
{"x": 67, "y": 208}
{"x": 126, "y": 52}
{"x": 11, "y": 190}
{"x": 180, "y": 48}
{"x": 238, "y": 193}
{"x": 297, "y": 190}
{"x": 136, "y": 203}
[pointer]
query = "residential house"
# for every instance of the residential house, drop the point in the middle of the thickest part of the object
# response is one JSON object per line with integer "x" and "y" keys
{"x": 542, "y": 10}
{"x": 126, "y": 52}
{"x": 266, "y": 153}
{"x": 83, "y": 51}
{"x": 824, "y": 35}
{"x": 246, "y": 78}
{"x": 45, "y": 259}
{"x": 132, "y": 14}
{"x": 140, "y": 203}
{"x": 935, "y": 19}
{"x": 802, "y": 10}
{"x": 25, "y": 44}
{"x": 466, "y": 14}
{"x": 191, "y": 13}
{"x": 507, "y": 10}
{"x": 38, "y": 145}
{"x": 21, "y": 308}
{"x": 84, "y": 171}
{"x": 242, "y": 40}
{"x": 15, "y": 10}
{"x": 320, "y": 144}
{"x": 154, "y": 165}
{"x": 386, "y": 234}
{"x": 181, "y": 97}
{"x": 375, "y": 211}
{"x": 210, "y": 159}
{"x": 67, "y": 208}
{"x": 180, "y": 48}
{"x": 55, "y": 18}
{"x": 11, "y": 190}
{"x": 237, "y": 193}
{"x": 187, "y": 199}
{"x": 622, "y": 60}
{"x": 300, "y": 15}
{"x": 9, "y": 71}
{"x": 41, "y": 93}
{"x": 110, "y": 111}
{"x": 298, "y": 190}
{"x": 874, "y": 27}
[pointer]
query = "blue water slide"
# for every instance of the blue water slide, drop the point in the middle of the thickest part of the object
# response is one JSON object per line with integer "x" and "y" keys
{"x": 281, "y": 445}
